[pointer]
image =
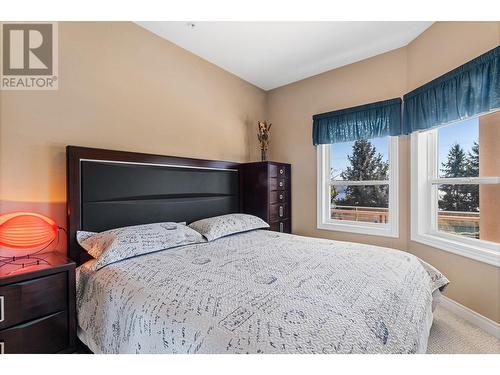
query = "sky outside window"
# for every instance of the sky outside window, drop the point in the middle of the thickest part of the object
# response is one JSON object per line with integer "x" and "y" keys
{"x": 340, "y": 151}
{"x": 465, "y": 133}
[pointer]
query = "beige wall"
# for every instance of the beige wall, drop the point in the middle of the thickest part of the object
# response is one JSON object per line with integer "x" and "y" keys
{"x": 291, "y": 109}
{"x": 120, "y": 87}
{"x": 444, "y": 46}
{"x": 489, "y": 195}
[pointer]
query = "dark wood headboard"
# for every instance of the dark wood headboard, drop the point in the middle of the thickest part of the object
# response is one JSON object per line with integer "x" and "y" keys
{"x": 109, "y": 189}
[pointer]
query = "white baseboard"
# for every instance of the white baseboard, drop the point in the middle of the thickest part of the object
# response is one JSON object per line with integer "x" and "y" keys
{"x": 487, "y": 325}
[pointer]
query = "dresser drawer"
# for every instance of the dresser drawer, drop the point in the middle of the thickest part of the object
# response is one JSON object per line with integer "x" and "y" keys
{"x": 278, "y": 211}
{"x": 277, "y": 170}
{"x": 281, "y": 226}
{"x": 32, "y": 299}
{"x": 277, "y": 196}
{"x": 42, "y": 336}
{"x": 277, "y": 183}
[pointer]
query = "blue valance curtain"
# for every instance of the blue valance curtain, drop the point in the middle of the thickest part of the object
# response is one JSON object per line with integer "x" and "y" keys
{"x": 466, "y": 91}
{"x": 361, "y": 122}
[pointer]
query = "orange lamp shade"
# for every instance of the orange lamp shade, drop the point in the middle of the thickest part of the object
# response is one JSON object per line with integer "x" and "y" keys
{"x": 26, "y": 230}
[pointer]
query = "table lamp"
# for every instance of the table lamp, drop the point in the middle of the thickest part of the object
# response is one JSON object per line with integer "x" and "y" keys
{"x": 26, "y": 231}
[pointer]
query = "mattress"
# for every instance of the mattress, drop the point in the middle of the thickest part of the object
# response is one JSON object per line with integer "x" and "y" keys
{"x": 259, "y": 292}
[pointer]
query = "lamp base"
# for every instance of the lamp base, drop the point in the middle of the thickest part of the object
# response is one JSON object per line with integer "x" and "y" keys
{"x": 25, "y": 263}
{"x": 29, "y": 268}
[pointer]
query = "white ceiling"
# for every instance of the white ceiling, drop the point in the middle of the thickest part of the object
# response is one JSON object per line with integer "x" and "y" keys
{"x": 273, "y": 54}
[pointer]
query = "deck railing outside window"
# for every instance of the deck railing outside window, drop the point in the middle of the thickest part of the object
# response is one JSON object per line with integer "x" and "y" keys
{"x": 454, "y": 222}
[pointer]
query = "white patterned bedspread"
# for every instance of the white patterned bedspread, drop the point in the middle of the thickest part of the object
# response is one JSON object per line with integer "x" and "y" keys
{"x": 259, "y": 292}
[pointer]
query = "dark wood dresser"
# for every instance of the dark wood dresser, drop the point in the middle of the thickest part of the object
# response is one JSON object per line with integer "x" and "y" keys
{"x": 37, "y": 308}
{"x": 266, "y": 193}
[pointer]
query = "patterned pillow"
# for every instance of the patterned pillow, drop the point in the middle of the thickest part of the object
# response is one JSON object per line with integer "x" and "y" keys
{"x": 82, "y": 235}
{"x": 220, "y": 226}
{"x": 117, "y": 244}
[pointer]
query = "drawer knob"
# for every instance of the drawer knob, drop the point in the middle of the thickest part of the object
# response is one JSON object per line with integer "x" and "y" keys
{"x": 281, "y": 197}
{"x": 281, "y": 211}
{"x": 281, "y": 227}
{"x": 281, "y": 183}
{"x": 282, "y": 171}
{"x": 2, "y": 309}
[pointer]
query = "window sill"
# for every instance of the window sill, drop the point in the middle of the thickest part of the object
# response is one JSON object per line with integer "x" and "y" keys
{"x": 357, "y": 228}
{"x": 476, "y": 252}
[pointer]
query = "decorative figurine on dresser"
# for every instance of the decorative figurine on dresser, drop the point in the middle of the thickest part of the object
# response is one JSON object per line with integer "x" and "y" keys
{"x": 37, "y": 288}
{"x": 266, "y": 193}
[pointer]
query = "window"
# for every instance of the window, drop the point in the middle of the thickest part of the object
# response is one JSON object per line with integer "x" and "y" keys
{"x": 456, "y": 188}
{"x": 357, "y": 186}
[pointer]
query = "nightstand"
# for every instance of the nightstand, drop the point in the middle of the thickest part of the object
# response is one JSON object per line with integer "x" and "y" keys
{"x": 37, "y": 308}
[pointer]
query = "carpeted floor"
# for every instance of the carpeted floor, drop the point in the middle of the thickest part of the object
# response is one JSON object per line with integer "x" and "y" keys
{"x": 451, "y": 334}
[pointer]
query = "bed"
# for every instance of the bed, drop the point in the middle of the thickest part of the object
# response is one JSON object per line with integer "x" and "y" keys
{"x": 252, "y": 292}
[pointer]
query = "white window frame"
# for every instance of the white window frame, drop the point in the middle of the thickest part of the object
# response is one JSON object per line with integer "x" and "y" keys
{"x": 324, "y": 221}
{"x": 424, "y": 181}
